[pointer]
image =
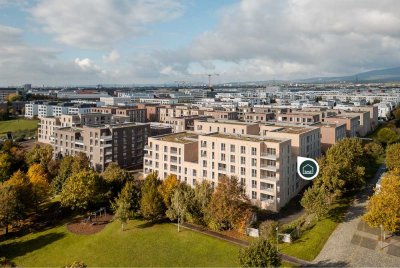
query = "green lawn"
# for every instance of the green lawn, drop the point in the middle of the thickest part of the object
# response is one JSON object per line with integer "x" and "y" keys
{"x": 18, "y": 125}
{"x": 140, "y": 245}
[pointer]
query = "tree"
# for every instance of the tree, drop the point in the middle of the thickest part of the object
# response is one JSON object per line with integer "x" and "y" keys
{"x": 5, "y": 166}
{"x": 80, "y": 163}
{"x": 343, "y": 167}
{"x": 115, "y": 177}
{"x": 268, "y": 230}
{"x": 40, "y": 155}
{"x": 9, "y": 206}
{"x": 387, "y": 136}
{"x": 181, "y": 203}
{"x": 20, "y": 182}
{"x": 396, "y": 114}
{"x": 39, "y": 184}
{"x": 318, "y": 200}
{"x": 202, "y": 195}
{"x": 167, "y": 188}
{"x": 373, "y": 150}
{"x": 383, "y": 208}
{"x": 259, "y": 254}
{"x": 152, "y": 206}
{"x": 64, "y": 172}
{"x": 81, "y": 190}
{"x": 228, "y": 208}
{"x": 127, "y": 202}
{"x": 392, "y": 157}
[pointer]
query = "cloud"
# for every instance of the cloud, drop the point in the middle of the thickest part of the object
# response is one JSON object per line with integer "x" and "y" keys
{"x": 101, "y": 23}
{"x": 112, "y": 57}
{"x": 263, "y": 39}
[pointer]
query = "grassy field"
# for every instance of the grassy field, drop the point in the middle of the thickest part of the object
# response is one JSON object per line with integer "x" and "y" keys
{"x": 17, "y": 125}
{"x": 142, "y": 244}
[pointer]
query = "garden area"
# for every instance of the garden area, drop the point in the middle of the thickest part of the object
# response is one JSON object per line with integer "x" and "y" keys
{"x": 140, "y": 244}
{"x": 20, "y": 128}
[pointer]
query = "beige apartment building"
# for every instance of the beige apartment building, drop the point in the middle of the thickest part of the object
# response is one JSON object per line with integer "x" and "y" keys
{"x": 121, "y": 143}
{"x": 226, "y": 126}
{"x": 261, "y": 164}
{"x": 352, "y": 123}
{"x": 183, "y": 123}
{"x": 225, "y": 115}
{"x": 152, "y": 111}
{"x": 47, "y": 125}
{"x": 331, "y": 133}
{"x": 298, "y": 118}
{"x": 134, "y": 114}
{"x": 258, "y": 117}
{"x": 177, "y": 111}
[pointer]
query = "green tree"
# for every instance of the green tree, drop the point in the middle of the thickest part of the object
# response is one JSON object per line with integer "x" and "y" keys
{"x": 64, "y": 172}
{"x": 81, "y": 190}
{"x": 396, "y": 113}
{"x": 115, "y": 177}
{"x": 40, "y": 154}
{"x": 122, "y": 208}
{"x": 373, "y": 150}
{"x": 387, "y": 136}
{"x": 392, "y": 157}
{"x": 167, "y": 188}
{"x": 318, "y": 200}
{"x": 383, "y": 208}
{"x": 343, "y": 167}
{"x": 5, "y": 166}
{"x": 202, "y": 195}
{"x": 268, "y": 230}
{"x": 9, "y": 206}
{"x": 181, "y": 203}
{"x": 259, "y": 254}
{"x": 152, "y": 205}
{"x": 80, "y": 163}
{"x": 229, "y": 208}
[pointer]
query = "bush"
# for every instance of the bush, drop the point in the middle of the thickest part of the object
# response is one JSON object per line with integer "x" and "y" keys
{"x": 259, "y": 254}
{"x": 267, "y": 230}
{"x": 76, "y": 264}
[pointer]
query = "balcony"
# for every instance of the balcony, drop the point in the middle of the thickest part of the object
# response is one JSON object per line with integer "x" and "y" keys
{"x": 269, "y": 156}
{"x": 106, "y": 145}
{"x": 105, "y": 138}
{"x": 174, "y": 160}
{"x": 174, "y": 152}
{"x": 222, "y": 168}
{"x": 269, "y": 168}
{"x": 147, "y": 163}
{"x": 148, "y": 155}
{"x": 108, "y": 152}
{"x": 146, "y": 147}
{"x": 79, "y": 142}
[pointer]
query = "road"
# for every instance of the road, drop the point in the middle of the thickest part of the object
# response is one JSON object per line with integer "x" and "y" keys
{"x": 355, "y": 244}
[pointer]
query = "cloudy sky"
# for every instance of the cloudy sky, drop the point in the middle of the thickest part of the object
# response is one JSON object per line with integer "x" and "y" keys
{"x": 59, "y": 42}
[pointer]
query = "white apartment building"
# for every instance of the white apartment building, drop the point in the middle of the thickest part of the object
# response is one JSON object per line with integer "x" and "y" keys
{"x": 112, "y": 101}
{"x": 158, "y": 101}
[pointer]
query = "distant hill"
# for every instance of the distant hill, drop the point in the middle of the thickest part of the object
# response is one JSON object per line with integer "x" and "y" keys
{"x": 377, "y": 76}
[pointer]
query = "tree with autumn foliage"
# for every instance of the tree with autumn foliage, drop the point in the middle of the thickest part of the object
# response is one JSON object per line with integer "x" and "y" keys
{"x": 115, "y": 177}
{"x": 20, "y": 182}
{"x": 40, "y": 187}
{"x": 10, "y": 210}
{"x": 383, "y": 208}
{"x": 392, "y": 157}
{"x": 167, "y": 188}
{"x": 81, "y": 190}
{"x": 152, "y": 205}
{"x": 229, "y": 208}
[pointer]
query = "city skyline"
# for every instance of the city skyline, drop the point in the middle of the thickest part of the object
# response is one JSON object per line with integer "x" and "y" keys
{"x": 60, "y": 43}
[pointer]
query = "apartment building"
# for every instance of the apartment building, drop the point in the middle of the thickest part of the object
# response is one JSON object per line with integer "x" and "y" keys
{"x": 352, "y": 123}
{"x": 158, "y": 101}
{"x": 373, "y": 115}
{"x": 261, "y": 164}
{"x": 183, "y": 123}
{"x": 121, "y": 143}
{"x": 225, "y": 115}
{"x": 104, "y": 110}
{"x": 226, "y": 127}
{"x": 298, "y": 118}
{"x": 31, "y": 109}
{"x": 331, "y": 133}
{"x": 4, "y": 93}
{"x": 364, "y": 122}
{"x": 134, "y": 114}
{"x": 45, "y": 109}
{"x": 258, "y": 117}
{"x": 177, "y": 111}
{"x": 152, "y": 111}
{"x": 47, "y": 125}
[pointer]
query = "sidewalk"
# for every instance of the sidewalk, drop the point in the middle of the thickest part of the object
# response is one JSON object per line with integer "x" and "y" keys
{"x": 241, "y": 243}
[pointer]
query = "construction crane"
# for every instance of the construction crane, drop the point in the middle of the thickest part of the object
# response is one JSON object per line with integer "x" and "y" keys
{"x": 209, "y": 78}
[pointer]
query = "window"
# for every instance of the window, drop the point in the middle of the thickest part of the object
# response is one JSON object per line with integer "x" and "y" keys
{"x": 254, "y": 162}
{"x": 253, "y": 184}
{"x": 254, "y": 195}
{"x": 254, "y": 173}
{"x": 242, "y": 171}
{"x": 194, "y": 173}
{"x": 242, "y": 160}
{"x": 232, "y": 148}
{"x": 242, "y": 149}
{"x": 205, "y": 173}
{"x": 204, "y": 163}
{"x": 222, "y": 157}
{"x": 222, "y": 146}
{"x": 233, "y": 169}
{"x": 232, "y": 159}
{"x": 253, "y": 151}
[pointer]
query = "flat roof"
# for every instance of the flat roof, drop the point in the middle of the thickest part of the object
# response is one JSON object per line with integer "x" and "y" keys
{"x": 246, "y": 137}
{"x": 329, "y": 124}
{"x": 231, "y": 122}
{"x": 182, "y": 137}
{"x": 292, "y": 129}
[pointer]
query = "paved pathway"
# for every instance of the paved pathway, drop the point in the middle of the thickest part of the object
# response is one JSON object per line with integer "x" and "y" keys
{"x": 240, "y": 242}
{"x": 353, "y": 243}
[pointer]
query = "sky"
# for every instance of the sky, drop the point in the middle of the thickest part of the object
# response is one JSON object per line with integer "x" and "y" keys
{"x": 89, "y": 42}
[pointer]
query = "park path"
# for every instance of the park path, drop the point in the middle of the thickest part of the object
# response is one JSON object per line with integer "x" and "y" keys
{"x": 355, "y": 244}
{"x": 241, "y": 243}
